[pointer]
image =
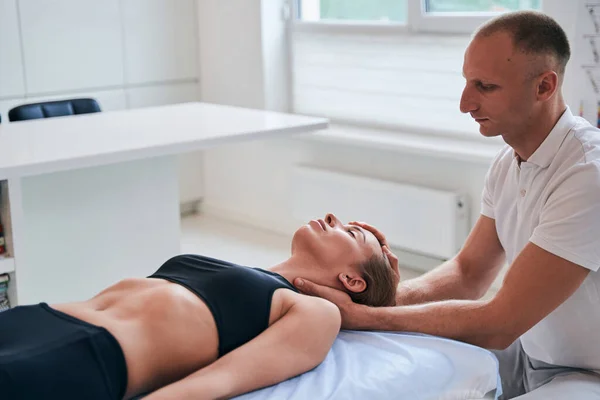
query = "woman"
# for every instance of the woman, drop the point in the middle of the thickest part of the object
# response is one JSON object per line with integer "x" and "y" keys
{"x": 198, "y": 328}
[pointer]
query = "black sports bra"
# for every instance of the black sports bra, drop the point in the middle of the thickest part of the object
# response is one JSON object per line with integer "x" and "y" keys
{"x": 239, "y": 297}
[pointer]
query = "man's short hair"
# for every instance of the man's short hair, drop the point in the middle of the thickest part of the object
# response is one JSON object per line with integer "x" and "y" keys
{"x": 534, "y": 33}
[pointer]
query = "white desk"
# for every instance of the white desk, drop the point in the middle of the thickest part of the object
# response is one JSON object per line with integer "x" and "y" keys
{"x": 94, "y": 198}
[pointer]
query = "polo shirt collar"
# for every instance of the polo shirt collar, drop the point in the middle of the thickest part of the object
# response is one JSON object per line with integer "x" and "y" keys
{"x": 544, "y": 154}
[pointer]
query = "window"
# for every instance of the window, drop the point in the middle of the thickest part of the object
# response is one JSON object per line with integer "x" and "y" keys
{"x": 353, "y": 10}
{"x": 462, "y": 16}
{"x": 483, "y": 6}
{"x": 451, "y": 16}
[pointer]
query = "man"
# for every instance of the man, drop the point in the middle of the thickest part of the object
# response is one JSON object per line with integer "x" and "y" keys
{"x": 540, "y": 212}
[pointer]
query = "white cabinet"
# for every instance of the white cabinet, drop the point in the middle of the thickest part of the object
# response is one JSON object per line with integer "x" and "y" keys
{"x": 71, "y": 44}
{"x": 158, "y": 95}
{"x": 11, "y": 66}
{"x": 159, "y": 39}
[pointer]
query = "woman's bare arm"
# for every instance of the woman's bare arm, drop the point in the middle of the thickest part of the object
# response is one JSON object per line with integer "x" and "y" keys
{"x": 297, "y": 342}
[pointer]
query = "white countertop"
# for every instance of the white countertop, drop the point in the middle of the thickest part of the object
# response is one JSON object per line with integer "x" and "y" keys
{"x": 63, "y": 143}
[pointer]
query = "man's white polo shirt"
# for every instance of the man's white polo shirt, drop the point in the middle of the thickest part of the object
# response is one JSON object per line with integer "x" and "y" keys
{"x": 553, "y": 201}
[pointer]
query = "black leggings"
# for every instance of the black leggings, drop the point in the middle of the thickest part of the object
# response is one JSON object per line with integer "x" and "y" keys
{"x": 47, "y": 354}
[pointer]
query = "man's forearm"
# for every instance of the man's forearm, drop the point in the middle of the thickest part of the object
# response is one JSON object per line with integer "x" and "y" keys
{"x": 445, "y": 282}
{"x": 471, "y": 321}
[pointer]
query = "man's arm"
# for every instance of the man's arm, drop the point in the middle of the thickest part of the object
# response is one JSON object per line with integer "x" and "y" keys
{"x": 296, "y": 343}
{"x": 466, "y": 276}
{"x": 535, "y": 284}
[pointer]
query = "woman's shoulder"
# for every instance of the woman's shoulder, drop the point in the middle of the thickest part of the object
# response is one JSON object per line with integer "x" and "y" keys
{"x": 285, "y": 301}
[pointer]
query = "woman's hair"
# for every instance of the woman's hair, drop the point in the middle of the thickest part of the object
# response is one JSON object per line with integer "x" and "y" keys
{"x": 381, "y": 283}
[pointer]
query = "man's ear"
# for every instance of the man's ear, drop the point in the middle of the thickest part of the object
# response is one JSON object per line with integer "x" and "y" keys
{"x": 547, "y": 86}
{"x": 353, "y": 282}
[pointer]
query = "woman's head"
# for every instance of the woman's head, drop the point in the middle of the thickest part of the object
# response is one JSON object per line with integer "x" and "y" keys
{"x": 347, "y": 257}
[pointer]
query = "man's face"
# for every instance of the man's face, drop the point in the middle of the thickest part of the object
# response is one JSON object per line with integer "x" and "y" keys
{"x": 499, "y": 91}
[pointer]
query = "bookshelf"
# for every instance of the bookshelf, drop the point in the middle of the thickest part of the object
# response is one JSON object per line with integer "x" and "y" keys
{"x": 586, "y": 50}
{"x": 7, "y": 265}
{"x": 7, "y": 261}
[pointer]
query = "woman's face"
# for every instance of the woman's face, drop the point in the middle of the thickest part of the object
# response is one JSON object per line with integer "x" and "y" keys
{"x": 329, "y": 244}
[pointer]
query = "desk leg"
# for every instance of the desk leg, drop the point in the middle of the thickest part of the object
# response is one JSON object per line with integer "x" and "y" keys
{"x": 84, "y": 230}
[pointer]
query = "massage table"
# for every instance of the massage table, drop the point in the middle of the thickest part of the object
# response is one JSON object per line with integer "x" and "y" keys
{"x": 398, "y": 366}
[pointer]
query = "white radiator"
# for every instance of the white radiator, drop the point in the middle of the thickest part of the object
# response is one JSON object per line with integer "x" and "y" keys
{"x": 416, "y": 219}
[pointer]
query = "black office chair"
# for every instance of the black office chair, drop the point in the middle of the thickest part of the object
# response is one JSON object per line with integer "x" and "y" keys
{"x": 51, "y": 109}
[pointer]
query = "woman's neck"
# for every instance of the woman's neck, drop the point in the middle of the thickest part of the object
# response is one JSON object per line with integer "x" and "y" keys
{"x": 298, "y": 267}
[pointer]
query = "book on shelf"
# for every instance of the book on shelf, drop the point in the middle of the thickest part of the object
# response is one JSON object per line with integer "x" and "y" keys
{"x": 4, "y": 302}
{"x": 2, "y": 241}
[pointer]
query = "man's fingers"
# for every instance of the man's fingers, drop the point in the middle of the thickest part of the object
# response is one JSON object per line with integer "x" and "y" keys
{"x": 336, "y": 296}
{"x": 380, "y": 236}
{"x": 306, "y": 287}
{"x": 393, "y": 259}
{"x": 389, "y": 253}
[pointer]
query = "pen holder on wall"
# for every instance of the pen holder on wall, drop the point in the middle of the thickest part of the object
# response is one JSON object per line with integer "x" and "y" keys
{"x": 593, "y": 76}
{"x": 594, "y": 42}
{"x": 593, "y": 10}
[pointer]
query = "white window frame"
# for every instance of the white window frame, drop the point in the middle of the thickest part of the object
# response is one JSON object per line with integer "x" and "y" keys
{"x": 432, "y": 22}
{"x": 418, "y": 21}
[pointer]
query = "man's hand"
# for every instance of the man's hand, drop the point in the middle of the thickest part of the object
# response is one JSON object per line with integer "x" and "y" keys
{"x": 380, "y": 236}
{"x": 353, "y": 314}
{"x": 392, "y": 258}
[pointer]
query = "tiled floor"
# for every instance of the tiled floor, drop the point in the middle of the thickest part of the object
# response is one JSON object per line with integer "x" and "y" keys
{"x": 244, "y": 245}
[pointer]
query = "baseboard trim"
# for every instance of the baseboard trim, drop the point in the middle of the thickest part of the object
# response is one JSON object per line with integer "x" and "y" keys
{"x": 190, "y": 208}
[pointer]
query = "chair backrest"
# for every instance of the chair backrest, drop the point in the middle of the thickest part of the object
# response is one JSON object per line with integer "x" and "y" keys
{"x": 51, "y": 109}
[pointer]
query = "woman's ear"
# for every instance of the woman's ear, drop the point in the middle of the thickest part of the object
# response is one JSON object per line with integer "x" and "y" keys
{"x": 353, "y": 282}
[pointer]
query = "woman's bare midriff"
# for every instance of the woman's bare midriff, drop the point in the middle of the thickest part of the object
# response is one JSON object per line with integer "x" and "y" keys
{"x": 165, "y": 331}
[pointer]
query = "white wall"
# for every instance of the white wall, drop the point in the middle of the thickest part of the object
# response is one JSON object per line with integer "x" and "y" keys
{"x": 124, "y": 53}
{"x": 244, "y": 53}
{"x": 230, "y": 52}
{"x": 12, "y": 83}
{"x": 275, "y": 55}
{"x": 579, "y": 90}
